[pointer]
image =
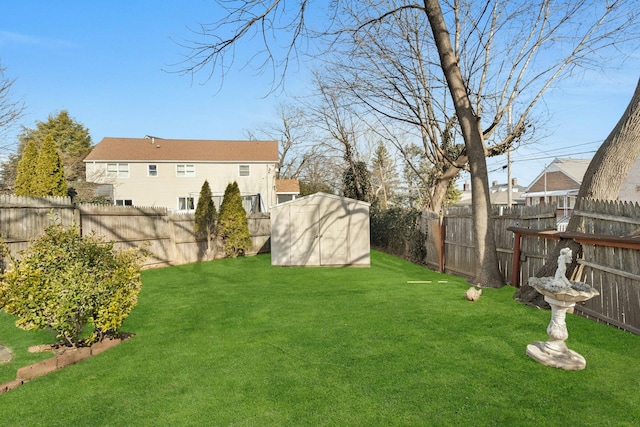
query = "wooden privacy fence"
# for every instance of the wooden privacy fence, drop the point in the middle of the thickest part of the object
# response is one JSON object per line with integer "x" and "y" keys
{"x": 609, "y": 232}
{"x": 24, "y": 218}
{"x": 451, "y": 241}
{"x": 169, "y": 237}
{"x": 610, "y": 265}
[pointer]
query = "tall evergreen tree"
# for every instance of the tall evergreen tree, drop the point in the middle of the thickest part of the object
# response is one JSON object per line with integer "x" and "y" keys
{"x": 356, "y": 181}
{"x": 26, "y": 174}
{"x": 205, "y": 221}
{"x": 232, "y": 223}
{"x": 72, "y": 140}
{"x": 50, "y": 180}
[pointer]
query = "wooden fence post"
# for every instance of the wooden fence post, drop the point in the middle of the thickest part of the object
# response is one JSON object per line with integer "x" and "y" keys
{"x": 515, "y": 262}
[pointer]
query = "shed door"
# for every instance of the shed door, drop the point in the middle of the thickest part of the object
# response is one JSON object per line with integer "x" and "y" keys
{"x": 305, "y": 230}
{"x": 333, "y": 239}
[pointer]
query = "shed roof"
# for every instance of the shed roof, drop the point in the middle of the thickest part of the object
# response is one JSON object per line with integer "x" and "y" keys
{"x": 321, "y": 195}
{"x": 287, "y": 186}
{"x": 159, "y": 149}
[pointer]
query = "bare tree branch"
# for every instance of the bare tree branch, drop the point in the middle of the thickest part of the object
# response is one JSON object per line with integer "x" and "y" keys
{"x": 10, "y": 110}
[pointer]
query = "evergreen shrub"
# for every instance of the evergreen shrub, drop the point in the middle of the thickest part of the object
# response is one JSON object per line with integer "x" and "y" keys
{"x": 232, "y": 223}
{"x": 205, "y": 217}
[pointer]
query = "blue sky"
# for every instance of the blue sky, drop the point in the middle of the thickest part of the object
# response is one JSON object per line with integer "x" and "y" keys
{"x": 106, "y": 63}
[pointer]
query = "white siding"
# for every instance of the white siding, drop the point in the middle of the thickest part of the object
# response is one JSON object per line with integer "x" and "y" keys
{"x": 165, "y": 188}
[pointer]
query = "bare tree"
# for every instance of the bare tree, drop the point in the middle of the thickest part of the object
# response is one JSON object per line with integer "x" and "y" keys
{"x": 384, "y": 177}
{"x": 388, "y": 70}
{"x": 340, "y": 129}
{"x": 295, "y": 140}
{"x": 10, "y": 111}
{"x": 535, "y": 43}
{"x": 322, "y": 172}
{"x": 488, "y": 272}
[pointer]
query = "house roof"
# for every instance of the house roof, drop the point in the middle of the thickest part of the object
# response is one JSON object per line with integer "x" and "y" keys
{"x": 573, "y": 168}
{"x": 159, "y": 149}
{"x": 287, "y": 186}
{"x": 561, "y": 174}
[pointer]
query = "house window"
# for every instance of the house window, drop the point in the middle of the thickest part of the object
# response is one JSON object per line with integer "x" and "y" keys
{"x": 562, "y": 202}
{"x": 152, "y": 170}
{"x": 185, "y": 170}
{"x": 124, "y": 202}
{"x": 186, "y": 203}
{"x": 285, "y": 198}
{"x": 244, "y": 170}
{"x": 118, "y": 170}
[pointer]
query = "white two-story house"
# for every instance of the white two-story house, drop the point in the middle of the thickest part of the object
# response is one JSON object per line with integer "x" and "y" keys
{"x": 153, "y": 171}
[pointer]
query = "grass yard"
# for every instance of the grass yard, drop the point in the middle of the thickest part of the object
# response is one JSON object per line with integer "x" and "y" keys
{"x": 237, "y": 342}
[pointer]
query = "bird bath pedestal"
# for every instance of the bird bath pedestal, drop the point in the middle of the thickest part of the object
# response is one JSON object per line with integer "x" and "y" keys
{"x": 561, "y": 294}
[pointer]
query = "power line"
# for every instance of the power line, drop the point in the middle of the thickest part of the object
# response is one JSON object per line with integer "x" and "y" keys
{"x": 546, "y": 154}
{"x": 553, "y": 156}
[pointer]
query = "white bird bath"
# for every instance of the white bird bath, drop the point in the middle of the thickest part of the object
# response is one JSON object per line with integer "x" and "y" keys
{"x": 561, "y": 294}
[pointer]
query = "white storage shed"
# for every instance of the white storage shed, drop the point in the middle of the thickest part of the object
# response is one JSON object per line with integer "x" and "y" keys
{"x": 320, "y": 230}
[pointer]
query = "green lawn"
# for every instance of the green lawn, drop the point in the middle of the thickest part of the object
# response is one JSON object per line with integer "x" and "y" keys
{"x": 237, "y": 342}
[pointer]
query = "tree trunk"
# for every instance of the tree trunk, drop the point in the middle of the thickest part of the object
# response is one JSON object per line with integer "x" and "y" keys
{"x": 487, "y": 267}
{"x": 602, "y": 180}
{"x": 438, "y": 195}
{"x": 440, "y": 189}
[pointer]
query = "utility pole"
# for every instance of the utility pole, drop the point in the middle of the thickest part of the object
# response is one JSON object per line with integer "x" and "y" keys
{"x": 509, "y": 184}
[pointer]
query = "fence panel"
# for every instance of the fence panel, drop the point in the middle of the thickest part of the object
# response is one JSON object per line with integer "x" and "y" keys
{"x": 613, "y": 271}
{"x": 23, "y": 219}
{"x": 260, "y": 231}
{"x": 430, "y": 228}
{"x": 533, "y": 250}
{"x": 186, "y": 247}
{"x": 460, "y": 238}
{"x": 130, "y": 227}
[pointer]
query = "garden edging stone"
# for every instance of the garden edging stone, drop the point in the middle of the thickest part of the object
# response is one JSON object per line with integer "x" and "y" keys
{"x": 61, "y": 360}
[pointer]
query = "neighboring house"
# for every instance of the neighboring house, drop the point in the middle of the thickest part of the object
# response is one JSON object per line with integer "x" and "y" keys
{"x": 154, "y": 171}
{"x": 558, "y": 183}
{"x": 499, "y": 194}
{"x": 287, "y": 189}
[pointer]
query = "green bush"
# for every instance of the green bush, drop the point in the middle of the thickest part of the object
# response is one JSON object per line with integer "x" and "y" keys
{"x": 395, "y": 231}
{"x": 64, "y": 280}
{"x": 232, "y": 223}
{"x": 205, "y": 217}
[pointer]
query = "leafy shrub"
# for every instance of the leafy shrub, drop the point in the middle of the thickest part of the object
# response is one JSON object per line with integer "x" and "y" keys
{"x": 64, "y": 280}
